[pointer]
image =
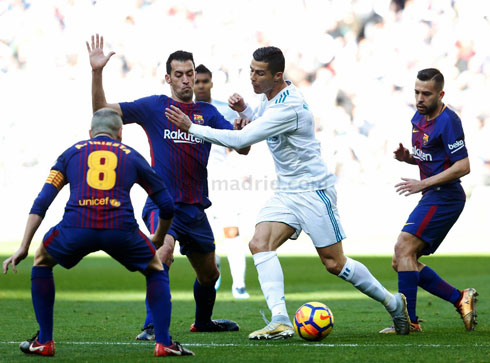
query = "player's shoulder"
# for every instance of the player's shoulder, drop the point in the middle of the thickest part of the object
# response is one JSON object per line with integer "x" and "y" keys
{"x": 289, "y": 96}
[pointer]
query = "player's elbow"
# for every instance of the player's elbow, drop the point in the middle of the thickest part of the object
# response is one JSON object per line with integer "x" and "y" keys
{"x": 464, "y": 167}
{"x": 243, "y": 151}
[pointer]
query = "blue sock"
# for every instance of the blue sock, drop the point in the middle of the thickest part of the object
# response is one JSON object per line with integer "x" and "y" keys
{"x": 433, "y": 283}
{"x": 407, "y": 285}
{"x": 205, "y": 297}
{"x": 149, "y": 317}
{"x": 158, "y": 298}
{"x": 42, "y": 290}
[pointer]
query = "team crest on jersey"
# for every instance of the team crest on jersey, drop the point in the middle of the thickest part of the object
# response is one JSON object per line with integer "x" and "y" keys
{"x": 198, "y": 119}
{"x": 426, "y": 139}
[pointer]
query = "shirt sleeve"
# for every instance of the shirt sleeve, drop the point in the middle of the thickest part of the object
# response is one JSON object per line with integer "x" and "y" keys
{"x": 155, "y": 187}
{"x": 137, "y": 111}
{"x": 54, "y": 183}
{"x": 453, "y": 140}
{"x": 248, "y": 112}
{"x": 276, "y": 120}
{"x": 218, "y": 121}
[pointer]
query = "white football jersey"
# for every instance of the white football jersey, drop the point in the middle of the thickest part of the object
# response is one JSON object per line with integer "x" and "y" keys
{"x": 288, "y": 125}
{"x": 218, "y": 153}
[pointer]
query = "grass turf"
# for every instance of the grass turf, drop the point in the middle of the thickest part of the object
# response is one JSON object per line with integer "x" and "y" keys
{"x": 99, "y": 310}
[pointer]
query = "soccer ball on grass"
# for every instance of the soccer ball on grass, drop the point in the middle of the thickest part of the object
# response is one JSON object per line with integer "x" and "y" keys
{"x": 313, "y": 321}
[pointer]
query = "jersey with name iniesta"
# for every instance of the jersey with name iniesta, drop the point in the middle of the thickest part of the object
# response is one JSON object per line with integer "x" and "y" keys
{"x": 101, "y": 172}
{"x": 177, "y": 156}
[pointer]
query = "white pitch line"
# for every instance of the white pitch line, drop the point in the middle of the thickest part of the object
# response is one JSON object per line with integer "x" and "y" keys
{"x": 213, "y": 345}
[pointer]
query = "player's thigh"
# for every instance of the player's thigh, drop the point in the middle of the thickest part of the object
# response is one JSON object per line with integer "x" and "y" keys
{"x": 67, "y": 246}
{"x": 191, "y": 228}
{"x": 433, "y": 218}
{"x": 318, "y": 215}
{"x": 269, "y": 236}
{"x": 133, "y": 249}
{"x": 275, "y": 224}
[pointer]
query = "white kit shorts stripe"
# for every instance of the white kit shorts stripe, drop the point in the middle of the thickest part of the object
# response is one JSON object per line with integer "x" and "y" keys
{"x": 315, "y": 212}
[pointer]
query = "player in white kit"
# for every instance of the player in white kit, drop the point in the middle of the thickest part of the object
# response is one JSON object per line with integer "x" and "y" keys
{"x": 221, "y": 169}
{"x": 305, "y": 199}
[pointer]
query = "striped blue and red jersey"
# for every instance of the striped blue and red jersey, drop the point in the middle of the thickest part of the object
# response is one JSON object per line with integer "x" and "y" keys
{"x": 101, "y": 172}
{"x": 438, "y": 143}
{"x": 177, "y": 156}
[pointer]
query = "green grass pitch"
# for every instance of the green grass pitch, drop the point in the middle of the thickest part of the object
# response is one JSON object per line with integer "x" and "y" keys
{"x": 99, "y": 310}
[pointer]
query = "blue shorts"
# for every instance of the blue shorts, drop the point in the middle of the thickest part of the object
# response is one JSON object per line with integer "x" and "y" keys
{"x": 435, "y": 215}
{"x": 190, "y": 227}
{"x": 69, "y": 245}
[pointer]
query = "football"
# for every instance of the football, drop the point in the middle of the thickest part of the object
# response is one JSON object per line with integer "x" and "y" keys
{"x": 313, "y": 321}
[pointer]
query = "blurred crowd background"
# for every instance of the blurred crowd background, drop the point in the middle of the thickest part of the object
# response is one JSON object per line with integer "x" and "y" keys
{"x": 355, "y": 62}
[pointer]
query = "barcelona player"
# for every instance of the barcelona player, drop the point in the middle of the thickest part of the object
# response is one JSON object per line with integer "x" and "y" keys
{"x": 306, "y": 198}
{"x": 180, "y": 160}
{"x": 98, "y": 216}
{"x": 439, "y": 150}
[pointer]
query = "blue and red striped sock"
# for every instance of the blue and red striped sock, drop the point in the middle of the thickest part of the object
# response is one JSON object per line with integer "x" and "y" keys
{"x": 407, "y": 285}
{"x": 42, "y": 291}
{"x": 433, "y": 283}
{"x": 158, "y": 298}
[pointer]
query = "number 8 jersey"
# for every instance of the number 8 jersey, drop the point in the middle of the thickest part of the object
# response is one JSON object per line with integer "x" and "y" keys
{"x": 101, "y": 172}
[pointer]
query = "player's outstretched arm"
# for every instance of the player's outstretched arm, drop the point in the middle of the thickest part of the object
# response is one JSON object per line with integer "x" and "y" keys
{"x": 33, "y": 223}
{"x": 402, "y": 154}
{"x": 98, "y": 60}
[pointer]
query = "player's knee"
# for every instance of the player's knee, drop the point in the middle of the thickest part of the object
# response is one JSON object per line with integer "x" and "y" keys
{"x": 332, "y": 265}
{"x": 394, "y": 264}
{"x": 43, "y": 258}
{"x": 231, "y": 232}
{"x": 209, "y": 278}
{"x": 257, "y": 245}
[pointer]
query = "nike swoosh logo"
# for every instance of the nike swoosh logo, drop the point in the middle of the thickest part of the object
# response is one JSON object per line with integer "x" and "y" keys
{"x": 34, "y": 349}
{"x": 175, "y": 352}
{"x": 408, "y": 223}
{"x": 324, "y": 317}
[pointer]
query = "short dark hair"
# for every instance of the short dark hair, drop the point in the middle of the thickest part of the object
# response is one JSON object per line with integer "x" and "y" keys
{"x": 272, "y": 56}
{"x": 202, "y": 69}
{"x": 180, "y": 56}
{"x": 432, "y": 74}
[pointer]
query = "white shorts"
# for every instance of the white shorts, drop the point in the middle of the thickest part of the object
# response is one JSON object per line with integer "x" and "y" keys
{"x": 314, "y": 212}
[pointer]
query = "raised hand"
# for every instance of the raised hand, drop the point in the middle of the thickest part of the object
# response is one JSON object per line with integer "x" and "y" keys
{"x": 96, "y": 53}
{"x": 402, "y": 153}
{"x": 237, "y": 103}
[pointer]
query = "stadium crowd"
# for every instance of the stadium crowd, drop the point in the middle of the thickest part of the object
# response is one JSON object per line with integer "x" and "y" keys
{"x": 354, "y": 61}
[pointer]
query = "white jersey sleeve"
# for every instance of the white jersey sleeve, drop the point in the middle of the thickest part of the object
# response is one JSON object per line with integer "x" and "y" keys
{"x": 275, "y": 121}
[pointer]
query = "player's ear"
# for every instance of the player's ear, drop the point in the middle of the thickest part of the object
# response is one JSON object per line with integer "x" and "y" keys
{"x": 167, "y": 78}
{"x": 90, "y": 133}
{"x": 212, "y": 84}
{"x": 278, "y": 77}
{"x": 441, "y": 94}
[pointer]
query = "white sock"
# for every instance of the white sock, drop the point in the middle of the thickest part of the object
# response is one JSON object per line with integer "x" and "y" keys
{"x": 359, "y": 276}
{"x": 271, "y": 281}
{"x": 236, "y": 259}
